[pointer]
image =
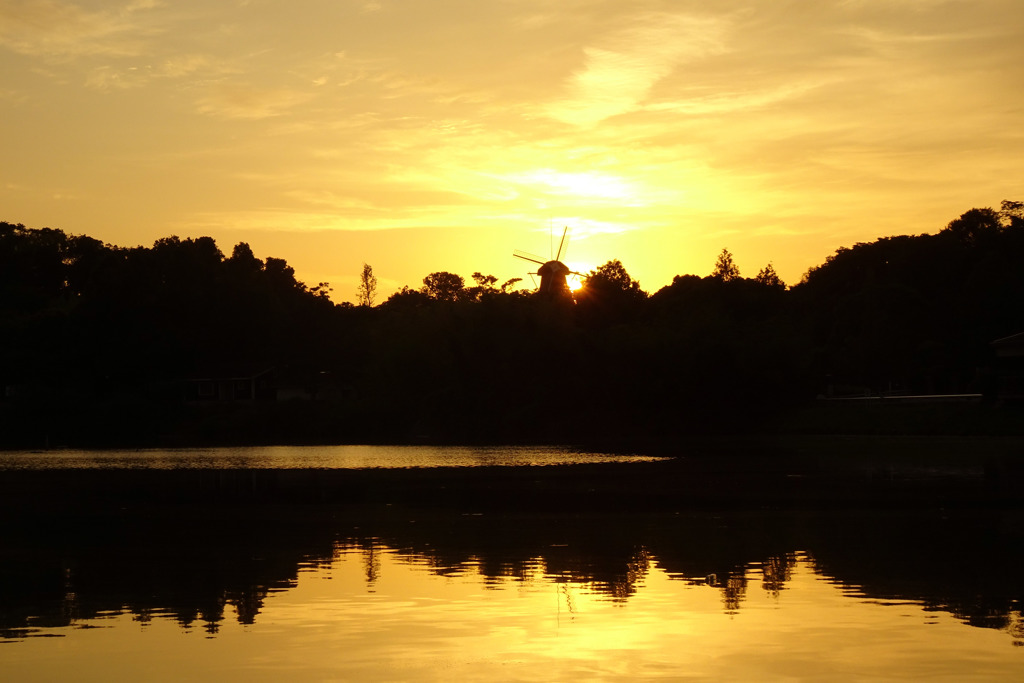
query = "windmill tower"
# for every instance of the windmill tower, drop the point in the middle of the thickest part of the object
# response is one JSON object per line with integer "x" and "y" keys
{"x": 553, "y": 273}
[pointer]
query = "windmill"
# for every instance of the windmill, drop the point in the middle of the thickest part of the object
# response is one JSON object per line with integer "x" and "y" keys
{"x": 553, "y": 272}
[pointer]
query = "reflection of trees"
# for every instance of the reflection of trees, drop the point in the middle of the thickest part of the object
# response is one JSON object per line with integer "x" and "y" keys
{"x": 196, "y": 567}
{"x": 636, "y": 570}
{"x": 1016, "y": 628}
{"x": 169, "y": 563}
{"x": 154, "y": 563}
{"x": 965, "y": 564}
{"x": 734, "y": 590}
{"x": 371, "y": 565}
{"x": 776, "y": 571}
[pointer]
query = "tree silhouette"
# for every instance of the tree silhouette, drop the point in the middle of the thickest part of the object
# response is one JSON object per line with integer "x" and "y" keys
{"x": 484, "y": 281}
{"x": 508, "y": 285}
{"x": 1012, "y": 213}
{"x": 483, "y": 288}
{"x": 443, "y": 286}
{"x": 725, "y": 268}
{"x": 609, "y": 296}
{"x": 612, "y": 277}
{"x": 243, "y": 262}
{"x": 366, "y": 293}
{"x": 406, "y": 298}
{"x": 96, "y": 341}
{"x": 974, "y": 225}
{"x": 769, "y": 278}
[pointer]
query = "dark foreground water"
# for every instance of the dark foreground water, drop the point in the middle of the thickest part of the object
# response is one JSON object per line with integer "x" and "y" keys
{"x": 551, "y": 577}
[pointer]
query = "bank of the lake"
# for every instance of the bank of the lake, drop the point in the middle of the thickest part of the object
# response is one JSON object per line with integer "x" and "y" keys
{"x": 750, "y": 472}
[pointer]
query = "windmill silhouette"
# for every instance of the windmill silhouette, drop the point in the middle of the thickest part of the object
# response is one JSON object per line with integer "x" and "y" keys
{"x": 553, "y": 272}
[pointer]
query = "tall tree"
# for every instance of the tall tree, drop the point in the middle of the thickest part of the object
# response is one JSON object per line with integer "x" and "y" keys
{"x": 725, "y": 268}
{"x": 366, "y": 293}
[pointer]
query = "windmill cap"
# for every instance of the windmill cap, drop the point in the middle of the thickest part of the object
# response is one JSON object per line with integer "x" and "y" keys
{"x": 553, "y": 268}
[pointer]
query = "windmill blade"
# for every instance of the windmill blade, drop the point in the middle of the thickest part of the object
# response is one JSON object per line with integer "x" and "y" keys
{"x": 527, "y": 256}
{"x": 563, "y": 246}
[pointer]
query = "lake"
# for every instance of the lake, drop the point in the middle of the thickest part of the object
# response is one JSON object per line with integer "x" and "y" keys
{"x": 216, "y": 585}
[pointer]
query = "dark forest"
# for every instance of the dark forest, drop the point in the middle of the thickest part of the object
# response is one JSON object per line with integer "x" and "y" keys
{"x": 180, "y": 344}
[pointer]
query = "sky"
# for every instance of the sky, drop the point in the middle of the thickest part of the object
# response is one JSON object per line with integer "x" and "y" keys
{"x": 441, "y": 135}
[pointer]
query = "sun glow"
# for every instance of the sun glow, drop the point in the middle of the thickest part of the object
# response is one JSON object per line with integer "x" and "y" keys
{"x": 588, "y": 184}
{"x": 658, "y": 133}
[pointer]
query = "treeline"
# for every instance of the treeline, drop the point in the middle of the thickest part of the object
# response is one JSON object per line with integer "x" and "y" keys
{"x": 103, "y": 345}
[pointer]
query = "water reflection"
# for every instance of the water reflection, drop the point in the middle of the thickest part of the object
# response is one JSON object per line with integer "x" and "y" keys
{"x": 201, "y": 567}
{"x": 307, "y": 457}
{"x": 361, "y": 609}
{"x": 715, "y": 568}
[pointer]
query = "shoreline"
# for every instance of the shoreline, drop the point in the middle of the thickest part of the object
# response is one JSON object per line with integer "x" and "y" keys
{"x": 741, "y": 472}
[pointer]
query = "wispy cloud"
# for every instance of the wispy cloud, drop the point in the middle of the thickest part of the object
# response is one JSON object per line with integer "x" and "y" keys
{"x": 63, "y": 30}
{"x": 249, "y": 101}
{"x": 724, "y": 102}
{"x": 620, "y": 70}
{"x": 179, "y": 66}
{"x": 123, "y": 76}
{"x": 674, "y": 123}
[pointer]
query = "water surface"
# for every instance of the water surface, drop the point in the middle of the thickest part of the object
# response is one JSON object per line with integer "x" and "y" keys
{"x": 389, "y": 594}
{"x": 306, "y": 457}
{"x": 217, "y": 569}
{"x": 407, "y": 622}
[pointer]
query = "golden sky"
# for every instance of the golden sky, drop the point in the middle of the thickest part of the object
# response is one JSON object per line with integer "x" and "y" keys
{"x": 424, "y": 135}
